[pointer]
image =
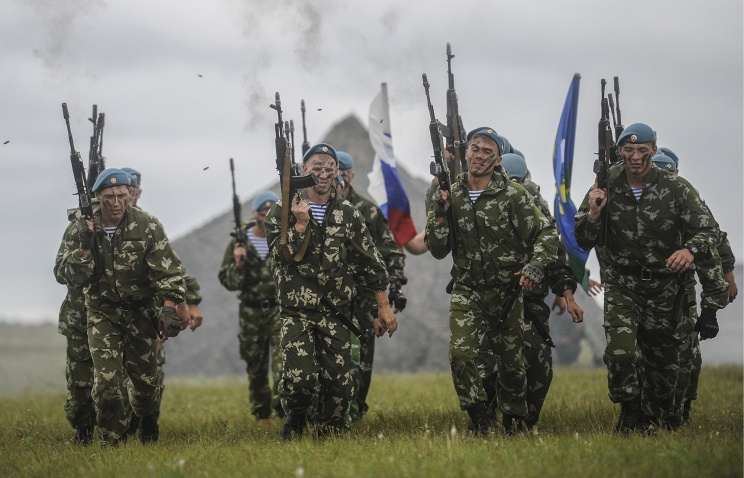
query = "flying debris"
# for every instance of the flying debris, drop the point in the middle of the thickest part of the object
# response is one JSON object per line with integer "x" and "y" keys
{"x": 320, "y": 109}
{"x": 205, "y": 168}
{"x": 6, "y": 141}
{"x": 200, "y": 75}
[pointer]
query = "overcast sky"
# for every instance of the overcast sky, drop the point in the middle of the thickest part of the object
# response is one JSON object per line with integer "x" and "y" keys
{"x": 680, "y": 64}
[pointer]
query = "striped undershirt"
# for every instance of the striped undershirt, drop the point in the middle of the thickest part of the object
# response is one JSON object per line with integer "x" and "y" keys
{"x": 318, "y": 211}
{"x": 260, "y": 243}
{"x": 110, "y": 231}
{"x": 474, "y": 195}
{"x": 637, "y": 192}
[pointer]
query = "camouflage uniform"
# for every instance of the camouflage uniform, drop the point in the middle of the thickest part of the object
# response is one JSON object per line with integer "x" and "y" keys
{"x": 365, "y": 306}
{"x": 496, "y": 237}
{"x": 78, "y": 406}
{"x": 316, "y": 295}
{"x": 537, "y": 341}
{"x": 124, "y": 287}
{"x": 644, "y": 300}
{"x": 259, "y": 324}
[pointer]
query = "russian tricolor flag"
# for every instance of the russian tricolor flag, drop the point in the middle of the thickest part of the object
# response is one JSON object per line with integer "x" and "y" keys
{"x": 385, "y": 186}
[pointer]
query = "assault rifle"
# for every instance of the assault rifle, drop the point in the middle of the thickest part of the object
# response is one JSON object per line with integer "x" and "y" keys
{"x": 291, "y": 182}
{"x": 95, "y": 156}
{"x": 605, "y": 153}
{"x": 305, "y": 144}
{"x": 617, "y": 120}
{"x": 439, "y": 167}
{"x": 456, "y": 136}
{"x": 237, "y": 234}
{"x": 78, "y": 171}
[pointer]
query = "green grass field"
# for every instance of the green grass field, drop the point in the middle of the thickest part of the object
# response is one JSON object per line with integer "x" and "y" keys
{"x": 414, "y": 429}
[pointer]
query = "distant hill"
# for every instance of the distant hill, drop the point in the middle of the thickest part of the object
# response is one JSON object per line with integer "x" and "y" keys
{"x": 422, "y": 340}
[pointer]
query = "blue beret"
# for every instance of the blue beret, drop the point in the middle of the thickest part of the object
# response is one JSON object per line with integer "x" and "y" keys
{"x": 515, "y": 166}
{"x": 263, "y": 198}
{"x": 110, "y": 177}
{"x": 345, "y": 162}
{"x": 321, "y": 148}
{"x": 490, "y": 133}
{"x": 662, "y": 161}
{"x": 671, "y": 154}
{"x": 136, "y": 176}
{"x": 637, "y": 133}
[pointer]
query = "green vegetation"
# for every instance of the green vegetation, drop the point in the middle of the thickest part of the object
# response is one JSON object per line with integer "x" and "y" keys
{"x": 413, "y": 429}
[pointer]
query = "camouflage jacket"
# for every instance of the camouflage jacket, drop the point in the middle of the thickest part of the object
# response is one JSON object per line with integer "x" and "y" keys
{"x": 558, "y": 275}
{"x": 498, "y": 235}
{"x": 642, "y": 234}
{"x": 340, "y": 254}
{"x": 254, "y": 279}
{"x": 137, "y": 265}
{"x": 392, "y": 254}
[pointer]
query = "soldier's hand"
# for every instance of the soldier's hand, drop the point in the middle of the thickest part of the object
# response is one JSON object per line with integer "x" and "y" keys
{"x": 525, "y": 282}
{"x": 443, "y": 199}
{"x": 182, "y": 311}
{"x": 196, "y": 317}
{"x": 707, "y": 324}
{"x": 301, "y": 211}
{"x": 86, "y": 234}
{"x": 239, "y": 254}
{"x": 732, "y": 289}
{"x": 597, "y": 202}
{"x": 386, "y": 316}
{"x": 560, "y": 304}
{"x": 595, "y": 287}
{"x": 680, "y": 260}
{"x": 575, "y": 311}
{"x": 378, "y": 328}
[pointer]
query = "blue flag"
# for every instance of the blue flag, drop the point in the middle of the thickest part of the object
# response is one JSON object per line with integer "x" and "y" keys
{"x": 564, "y": 208}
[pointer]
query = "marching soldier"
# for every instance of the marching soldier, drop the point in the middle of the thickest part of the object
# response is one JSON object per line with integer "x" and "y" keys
{"x": 134, "y": 289}
{"x": 328, "y": 255}
{"x": 501, "y": 243}
{"x": 653, "y": 227}
{"x": 364, "y": 304}
{"x": 560, "y": 278}
{"x": 246, "y": 267}
{"x": 708, "y": 269}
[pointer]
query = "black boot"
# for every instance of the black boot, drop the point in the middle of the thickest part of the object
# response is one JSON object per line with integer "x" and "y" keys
{"x": 83, "y": 435}
{"x": 149, "y": 432}
{"x": 631, "y": 417}
{"x": 513, "y": 425}
{"x": 294, "y": 426}
{"x": 481, "y": 420}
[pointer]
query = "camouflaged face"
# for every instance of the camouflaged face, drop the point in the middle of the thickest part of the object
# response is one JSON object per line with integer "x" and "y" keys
{"x": 341, "y": 253}
{"x": 495, "y": 237}
{"x": 254, "y": 279}
{"x": 392, "y": 254}
{"x": 136, "y": 265}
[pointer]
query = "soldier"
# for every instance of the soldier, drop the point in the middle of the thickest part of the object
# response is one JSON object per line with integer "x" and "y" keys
{"x": 328, "y": 253}
{"x": 708, "y": 268}
{"x": 246, "y": 268}
{"x": 364, "y": 304}
{"x": 655, "y": 226}
{"x": 134, "y": 285}
{"x": 79, "y": 409}
{"x": 560, "y": 278}
{"x": 500, "y": 244}
{"x": 193, "y": 299}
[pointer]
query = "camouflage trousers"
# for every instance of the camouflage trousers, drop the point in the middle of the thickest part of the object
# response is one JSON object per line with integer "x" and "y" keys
{"x": 365, "y": 310}
{"x": 643, "y": 343}
{"x": 259, "y": 348}
{"x": 538, "y": 355}
{"x": 122, "y": 346}
{"x": 690, "y": 362}
{"x": 79, "y": 409}
{"x": 316, "y": 366}
{"x": 486, "y": 348}
{"x": 160, "y": 381}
